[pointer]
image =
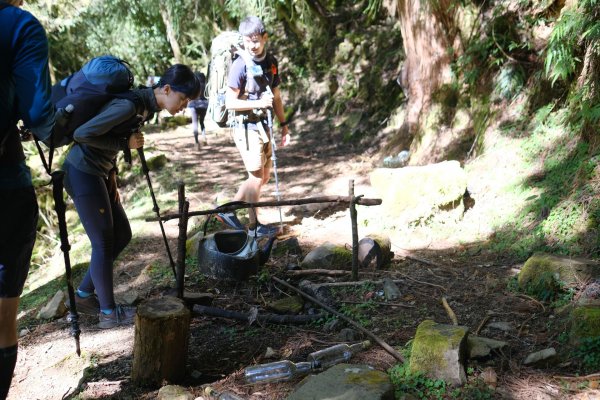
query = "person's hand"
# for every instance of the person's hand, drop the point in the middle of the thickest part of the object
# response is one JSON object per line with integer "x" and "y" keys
{"x": 111, "y": 185}
{"x": 286, "y": 137}
{"x": 136, "y": 140}
{"x": 266, "y": 100}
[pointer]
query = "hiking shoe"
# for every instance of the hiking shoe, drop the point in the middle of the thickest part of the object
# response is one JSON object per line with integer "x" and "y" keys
{"x": 121, "y": 315}
{"x": 230, "y": 219}
{"x": 87, "y": 305}
{"x": 263, "y": 230}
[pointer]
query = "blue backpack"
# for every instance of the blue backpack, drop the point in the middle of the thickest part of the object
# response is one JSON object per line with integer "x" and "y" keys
{"x": 85, "y": 92}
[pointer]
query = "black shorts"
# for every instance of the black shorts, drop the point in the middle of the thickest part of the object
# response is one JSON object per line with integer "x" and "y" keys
{"x": 18, "y": 223}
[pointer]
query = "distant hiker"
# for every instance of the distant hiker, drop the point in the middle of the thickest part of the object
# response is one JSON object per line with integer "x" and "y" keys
{"x": 198, "y": 108}
{"x": 91, "y": 181}
{"x": 24, "y": 95}
{"x": 249, "y": 96}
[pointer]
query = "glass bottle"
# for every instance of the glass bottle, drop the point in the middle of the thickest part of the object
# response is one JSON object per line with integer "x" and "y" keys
{"x": 335, "y": 354}
{"x": 276, "y": 371}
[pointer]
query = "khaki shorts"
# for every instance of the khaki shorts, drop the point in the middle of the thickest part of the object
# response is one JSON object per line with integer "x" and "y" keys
{"x": 254, "y": 147}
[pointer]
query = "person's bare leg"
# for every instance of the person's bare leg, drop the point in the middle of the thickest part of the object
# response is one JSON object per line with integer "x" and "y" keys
{"x": 249, "y": 191}
{"x": 8, "y": 342}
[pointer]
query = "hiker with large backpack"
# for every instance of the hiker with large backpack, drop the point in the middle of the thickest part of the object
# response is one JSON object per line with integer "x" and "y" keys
{"x": 24, "y": 95}
{"x": 90, "y": 180}
{"x": 252, "y": 95}
{"x": 198, "y": 109}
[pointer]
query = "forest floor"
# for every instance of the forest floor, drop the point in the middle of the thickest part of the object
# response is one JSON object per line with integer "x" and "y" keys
{"x": 475, "y": 284}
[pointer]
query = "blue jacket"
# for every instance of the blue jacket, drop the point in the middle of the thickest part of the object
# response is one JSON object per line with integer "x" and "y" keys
{"x": 24, "y": 90}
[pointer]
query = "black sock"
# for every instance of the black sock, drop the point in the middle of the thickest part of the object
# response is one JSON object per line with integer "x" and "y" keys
{"x": 8, "y": 360}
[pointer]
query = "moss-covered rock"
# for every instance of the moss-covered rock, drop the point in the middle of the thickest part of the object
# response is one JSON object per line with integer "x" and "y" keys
{"x": 156, "y": 162}
{"x": 413, "y": 193}
{"x": 585, "y": 323}
{"x": 288, "y": 305}
{"x": 440, "y": 352}
{"x": 566, "y": 271}
{"x": 328, "y": 256}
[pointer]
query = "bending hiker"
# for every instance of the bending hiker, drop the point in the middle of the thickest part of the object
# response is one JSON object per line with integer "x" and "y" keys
{"x": 249, "y": 96}
{"x": 198, "y": 108}
{"x": 24, "y": 95}
{"x": 90, "y": 180}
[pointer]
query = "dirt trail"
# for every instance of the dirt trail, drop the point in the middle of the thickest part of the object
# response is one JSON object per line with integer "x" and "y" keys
{"x": 313, "y": 165}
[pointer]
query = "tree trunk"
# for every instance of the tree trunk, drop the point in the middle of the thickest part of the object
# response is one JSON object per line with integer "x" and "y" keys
{"x": 168, "y": 21}
{"x": 427, "y": 39}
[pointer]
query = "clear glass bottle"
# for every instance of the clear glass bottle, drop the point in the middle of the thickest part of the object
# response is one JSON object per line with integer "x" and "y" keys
{"x": 276, "y": 371}
{"x": 335, "y": 354}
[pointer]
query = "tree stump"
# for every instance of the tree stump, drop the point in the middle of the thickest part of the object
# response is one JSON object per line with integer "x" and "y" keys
{"x": 161, "y": 341}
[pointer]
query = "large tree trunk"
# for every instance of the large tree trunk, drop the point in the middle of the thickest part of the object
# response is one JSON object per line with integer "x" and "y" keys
{"x": 165, "y": 13}
{"x": 427, "y": 34}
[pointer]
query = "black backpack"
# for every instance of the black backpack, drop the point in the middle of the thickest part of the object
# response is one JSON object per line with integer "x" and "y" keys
{"x": 79, "y": 97}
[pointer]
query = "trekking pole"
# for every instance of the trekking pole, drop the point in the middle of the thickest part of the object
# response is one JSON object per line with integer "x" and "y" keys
{"x": 155, "y": 206}
{"x": 60, "y": 207}
{"x": 274, "y": 158}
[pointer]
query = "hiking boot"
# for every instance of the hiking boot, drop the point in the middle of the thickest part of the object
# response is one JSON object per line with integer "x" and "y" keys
{"x": 231, "y": 220}
{"x": 263, "y": 230}
{"x": 121, "y": 315}
{"x": 87, "y": 305}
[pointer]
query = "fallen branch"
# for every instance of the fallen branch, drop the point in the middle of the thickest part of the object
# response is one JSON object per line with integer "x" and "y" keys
{"x": 423, "y": 283}
{"x": 539, "y": 303}
{"x": 316, "y": 286}
{"x": 328, "y": 272}
{"x": 482, "y": 324}
{"x": 449, "y": 311}
{"x": 310, "y": 200}
{"x": 380, "y": 303}
{"x": 270, "y": 318}
{"x": 377, "y": 339}
{"x": 578, "y": 378}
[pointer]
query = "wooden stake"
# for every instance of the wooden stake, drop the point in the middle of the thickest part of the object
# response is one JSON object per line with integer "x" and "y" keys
{"x": 449, "y": 311}
{"x": 354, "y": 230}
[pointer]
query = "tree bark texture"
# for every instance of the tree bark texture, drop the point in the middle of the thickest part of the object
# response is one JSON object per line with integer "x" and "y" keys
{"x": 165, "y": 13}
{"x": 428, "y": 35}
{"x": 161, "y": 341}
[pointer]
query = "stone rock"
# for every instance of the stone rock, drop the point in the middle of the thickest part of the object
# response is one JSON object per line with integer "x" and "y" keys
{"x": 501, "y": 326}
{"x": 391, "y": 291}
{"x": 288, "y": 305}
{"x": 328, "y": 256}
{"x": 347, "y": 335}
{"x": 541, "y": 357}
{"x": 414, "y": 193}
{"x": 331, "y": 325}
{"x": 102, "y": 390}
{"x": 479, "y": 347}
{"x": 585, "y": 323}
{"x": 321, "y": 293}
{"x": 131, "y": 297}
{"x": 290, "y": 246}
{"x": 345, "y": 381}
{"x": 156, "y": 162}
{"x": 440, "y": 352}
{"x": 174, "y": 392}
{"x": 566, "y": 270}
{"x": 270, "y": 353}
{"x": 55, "y": 308}
{"x": 192, "y": 243}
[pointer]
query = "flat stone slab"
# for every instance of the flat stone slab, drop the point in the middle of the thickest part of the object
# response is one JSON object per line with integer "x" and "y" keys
{"x": 346, "y": 381}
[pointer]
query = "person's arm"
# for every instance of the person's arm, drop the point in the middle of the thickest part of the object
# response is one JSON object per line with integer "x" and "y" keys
{"x": 32, "y": 79}
{"x": 94, "y": 132}
{"x": 280, "y": 114}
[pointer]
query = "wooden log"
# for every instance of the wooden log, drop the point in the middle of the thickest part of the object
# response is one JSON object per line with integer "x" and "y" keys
{"x": 161, "y": 341}
{"x": 310, "y": 200}
{"x": 271, "y": 318}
